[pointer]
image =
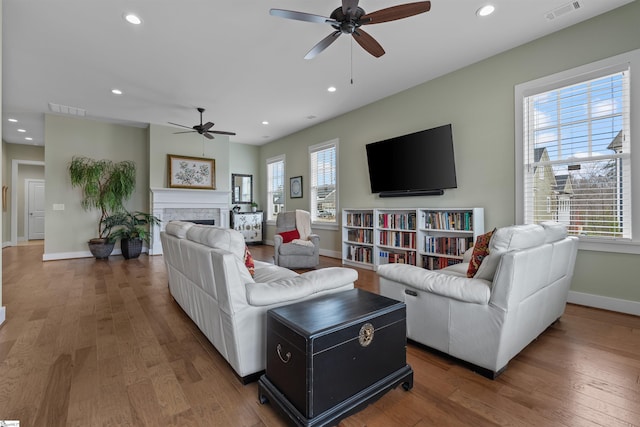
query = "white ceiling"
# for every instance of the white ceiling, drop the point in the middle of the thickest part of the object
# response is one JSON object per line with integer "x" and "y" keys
{"x": 234, "y": 59}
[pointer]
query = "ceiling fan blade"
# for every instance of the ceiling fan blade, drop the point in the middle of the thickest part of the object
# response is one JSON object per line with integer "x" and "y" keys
{"x": 221, "y": 132}
{"x": 301, "y": 16}
{"x": 395, "y": 12}
{"x": 368, "y": 43}
{"x": 182, "y": 126}
{"x": 205, "y": 127}
{"x": 186, "y": 131}
{"x": 208, "y": 135}
{"x": 322, "y": 45}
{"x": 349, "y": 7}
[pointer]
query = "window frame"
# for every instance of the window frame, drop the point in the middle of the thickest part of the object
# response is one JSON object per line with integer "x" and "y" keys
{"x": 328, "y": 225}
{"x": 270, "y": 161}
{"x": 629, "y": 60}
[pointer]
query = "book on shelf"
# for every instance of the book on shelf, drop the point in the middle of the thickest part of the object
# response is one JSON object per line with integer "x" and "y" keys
{"x": 360, "y": 219}
{"x": 447, "y": 220}
{"x": 400, "y": 239}
{"x": 400, "y": 221}
{"x": 447, "y": 245}
{"x": 360, "y": 254}
{"x": 437, "y": 263}
{"x": 360, "y": 235}
{"x": 390, "y": 257}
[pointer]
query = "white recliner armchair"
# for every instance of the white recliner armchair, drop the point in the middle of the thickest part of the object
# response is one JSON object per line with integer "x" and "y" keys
{"x": 488, "y": 319}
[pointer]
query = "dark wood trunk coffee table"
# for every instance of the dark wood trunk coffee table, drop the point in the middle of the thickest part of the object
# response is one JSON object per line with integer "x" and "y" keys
{"x": 330, "y": 357}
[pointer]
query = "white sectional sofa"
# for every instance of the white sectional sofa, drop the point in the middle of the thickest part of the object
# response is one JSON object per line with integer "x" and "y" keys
{"x": 209, "y": 280}
{"x": 520, "y": 289}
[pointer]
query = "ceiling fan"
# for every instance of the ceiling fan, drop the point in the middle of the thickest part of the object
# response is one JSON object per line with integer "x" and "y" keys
{"x": 202, "y": 129}
{"x": 349, "y": 18}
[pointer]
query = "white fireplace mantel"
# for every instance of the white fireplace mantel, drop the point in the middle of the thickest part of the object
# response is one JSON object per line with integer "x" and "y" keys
{"x": 180, "y": 198}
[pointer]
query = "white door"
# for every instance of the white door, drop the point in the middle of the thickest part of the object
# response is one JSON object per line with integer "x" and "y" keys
{"x": 36, "y": 210}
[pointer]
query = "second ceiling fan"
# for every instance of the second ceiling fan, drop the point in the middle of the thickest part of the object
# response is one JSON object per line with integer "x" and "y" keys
{"x": 349, "y": 18}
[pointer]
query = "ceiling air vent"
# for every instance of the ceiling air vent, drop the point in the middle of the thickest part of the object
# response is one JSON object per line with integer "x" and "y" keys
{"x": 64, "y": 109}
{"x": 562, "y": 10}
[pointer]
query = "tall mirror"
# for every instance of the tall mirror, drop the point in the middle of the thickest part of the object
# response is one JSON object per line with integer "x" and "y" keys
{"x": 241, "y": 188}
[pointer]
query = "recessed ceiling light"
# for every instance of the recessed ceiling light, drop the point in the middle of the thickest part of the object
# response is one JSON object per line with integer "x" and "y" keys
{"x": 485, "y": 10}
{"x": 13, "y": 120}
{"x": 28, "y": 138}
{"x": 331, "y": 89}
{"x": 21, "y": 130}
{"x": 132, "y": 19}
{"x": 116, "y": 91}
{"x": 265, "y": 122}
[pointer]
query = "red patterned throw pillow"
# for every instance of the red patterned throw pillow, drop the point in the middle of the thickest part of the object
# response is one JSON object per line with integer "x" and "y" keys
{"x": 480, "y": 251}
{"x": 248, "y": 261}
{"x": 288, "y": 236}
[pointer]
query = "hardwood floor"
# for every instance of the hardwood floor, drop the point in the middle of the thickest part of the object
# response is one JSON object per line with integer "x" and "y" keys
{"x": 102, "y": 343}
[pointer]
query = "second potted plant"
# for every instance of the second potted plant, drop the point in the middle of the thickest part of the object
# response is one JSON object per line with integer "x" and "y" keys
{"x": 132, "y": 228}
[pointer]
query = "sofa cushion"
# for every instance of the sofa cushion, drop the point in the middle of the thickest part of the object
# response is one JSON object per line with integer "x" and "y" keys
{"x": 295, "y": 249}
{"x": 465, "y": 289}
{"x": 178, "y": 228}
{"x": 266, "y": 272}
{"x": 288, "y": 236}
{"x": 480, "y": 251}
{"x": 553, "y": 231}
{"x": 517, "y": 237}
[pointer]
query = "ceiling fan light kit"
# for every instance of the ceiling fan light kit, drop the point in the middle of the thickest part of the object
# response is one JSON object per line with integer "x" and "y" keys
{"x": 349, "y": 18}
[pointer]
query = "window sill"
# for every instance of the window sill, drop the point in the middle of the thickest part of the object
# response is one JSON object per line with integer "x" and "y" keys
{"x": 324, "y": 226}
{"x": 617, "y": 246}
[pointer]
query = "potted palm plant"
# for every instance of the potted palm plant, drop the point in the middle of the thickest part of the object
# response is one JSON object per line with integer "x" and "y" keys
{"x": 105, "y": 185}
{"x": 132, "y": 228}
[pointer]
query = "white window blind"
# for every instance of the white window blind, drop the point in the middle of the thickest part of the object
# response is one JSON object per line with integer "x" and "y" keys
{"x": 275, "y": 187}
{"x": 324, "y": 178}
{"x": 576, "y": 152}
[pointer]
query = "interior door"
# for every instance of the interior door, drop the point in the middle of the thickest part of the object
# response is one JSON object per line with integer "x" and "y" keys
{"x": 36, "y": 210}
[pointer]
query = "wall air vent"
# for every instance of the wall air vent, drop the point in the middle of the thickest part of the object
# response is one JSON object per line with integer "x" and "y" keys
{"x": 562, "y": 10}
{"x": 64, "y": 109}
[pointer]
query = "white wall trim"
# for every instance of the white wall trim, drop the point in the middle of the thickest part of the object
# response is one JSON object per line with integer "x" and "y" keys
{"x": 605, "y": 303}
{"x": 3, "y": 314}
{"x": 14, "y": 195}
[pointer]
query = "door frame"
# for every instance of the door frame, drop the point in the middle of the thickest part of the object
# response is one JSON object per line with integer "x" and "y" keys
{"x": 28, "y": 181}
{"x": 14, "y": 196}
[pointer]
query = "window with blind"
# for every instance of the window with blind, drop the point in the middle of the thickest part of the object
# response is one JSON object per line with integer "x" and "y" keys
{"x": 323, "y": 160}
{"x": 574, "y": 152}
{"x": 275, "y": 187}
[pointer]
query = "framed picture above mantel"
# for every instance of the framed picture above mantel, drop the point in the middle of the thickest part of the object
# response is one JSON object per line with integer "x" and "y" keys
{"x": 191, "y": 172}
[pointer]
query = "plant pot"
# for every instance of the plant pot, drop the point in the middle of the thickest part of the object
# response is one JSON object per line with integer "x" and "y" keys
{"x": 253, "y": 209}
{"x": 101, "y": 248}
{"x": 131, "y": 248}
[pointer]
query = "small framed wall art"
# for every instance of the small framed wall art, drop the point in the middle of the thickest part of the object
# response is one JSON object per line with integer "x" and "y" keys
{"x": 295, "y": 187}
{"x": 191, "y": 172}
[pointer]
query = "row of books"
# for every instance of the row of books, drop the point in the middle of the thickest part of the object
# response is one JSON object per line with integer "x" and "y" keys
{"x": 360, "y": 236}
{"x": 449, "y": 220}
{"x": 360, "y": 219}
{"x": 404, "y": 221}
{"x": 360, "y": 254}
{"x": 447, "y": 245}
{"x": 436, "y": 263}
{"x": 400, "y": 239}
{"x": 386, "y": 257}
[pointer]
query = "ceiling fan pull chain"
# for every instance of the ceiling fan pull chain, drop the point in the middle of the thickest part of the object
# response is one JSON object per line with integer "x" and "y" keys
{"x": 352, "y": 60}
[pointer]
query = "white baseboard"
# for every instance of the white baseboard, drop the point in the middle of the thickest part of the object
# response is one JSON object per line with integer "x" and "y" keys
{"x": 6, "y": 244}
{"x": 606, "y": 303}
{"x": 3, "y": 314}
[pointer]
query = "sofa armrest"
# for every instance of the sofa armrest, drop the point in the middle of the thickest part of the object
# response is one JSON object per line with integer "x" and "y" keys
{"x": 476, "y": 291}
{"x": 298, "y": 287}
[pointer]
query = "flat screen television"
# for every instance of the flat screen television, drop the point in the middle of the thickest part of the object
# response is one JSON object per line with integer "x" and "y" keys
{"x": 420, "y": 163}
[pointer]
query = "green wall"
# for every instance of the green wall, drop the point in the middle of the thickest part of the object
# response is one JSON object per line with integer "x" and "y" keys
{"x": 67, "y": 231}
{"x": 479, "y": 102}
